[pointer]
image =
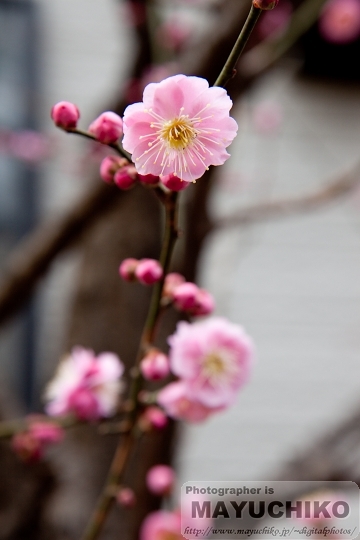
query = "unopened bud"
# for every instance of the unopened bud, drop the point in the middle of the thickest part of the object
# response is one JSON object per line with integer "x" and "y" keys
{"x": 148, "y": 271}
{"x": 65, "y": 114}
{"x": 107, "y": 127}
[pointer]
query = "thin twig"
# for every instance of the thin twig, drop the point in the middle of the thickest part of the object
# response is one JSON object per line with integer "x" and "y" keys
{"x": 115, "y": 146}
{"x": 227, "y": 71}
{"x": 287, "y": 207}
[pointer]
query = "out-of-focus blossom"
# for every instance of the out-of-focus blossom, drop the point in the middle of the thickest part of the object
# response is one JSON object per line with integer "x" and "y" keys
{"x": 188, "y": 297}
{"x": 311, "y": 516}
{"x": 86, "y": 385}
{"x": 148, "y": 271}
{"x": 125, "y": 178}
{"x": 126, "y": 497}
{"x": 155, "y": 365}
{"x": 172, "y": 281}
{"x": 179, "y": 403}
{"x": 153, "y": 417}
{"x": 213, "y": 357}
{"x": 174, "y": 34}
{"x": 127, "y": 269}
{"x": 160, "y": 479}
{"x": 110, "y": 165}
{"x": 267, "y": 117}
{"x": 181, "y": 127}
{"x": 107, "y": 128}
{"x": 340, "y": 21}
{"x": 30, "y": 445}
{"x": 174, "y": 183}
{"x": 29, "y": 146}
{"x": 161, "y": 525}
{"x": 275, "y": 21}
{"x": 65, "y": 114}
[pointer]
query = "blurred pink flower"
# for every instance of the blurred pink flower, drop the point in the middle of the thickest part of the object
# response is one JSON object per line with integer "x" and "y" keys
{"x": 181, "y": 127}
{"x": 153, "y": 417}
{"x": 340, "y": 21}
{"x": 155, "y": 365}
{"x": 161, "y": 525}
{"x": 267, "y": 117}
{"x": 213, "y": 357}
{"x": 85, "y": 385}
{"x": 30, "y": 445}
{"x": 180, "y": 404}
{"x": 276, "y": 20}
{"x": 160, "y": 479}
{"x": 174, "y": 34}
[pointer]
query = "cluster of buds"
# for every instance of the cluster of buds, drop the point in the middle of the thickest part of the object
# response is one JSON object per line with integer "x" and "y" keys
{"x": 186, "y": 296}
{"x": 146, "y": 271}
{"x": 119, "y": 171}
{"x": 29, "y": 445}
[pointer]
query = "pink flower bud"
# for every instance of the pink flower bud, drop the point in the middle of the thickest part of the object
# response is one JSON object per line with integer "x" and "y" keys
{"x": 160, "y": 479}
{"x": 26, "y": 447}
{"x": 155, "y": 366}
{"x": 149, "y": 179}
{"x": 84, "y": 404}
{"x": 126, "y": 497}
{"x": 107, "y": 127}
{"x": 185, "y": 296}
{"x": 125, "y": 178}
{"x": 65, "y": 114}
{"x": 204, "y": 303}
{"x": 46, "y": 432}
{"x": 110, "y": 165}
{"x": 174, "y": 183}
{"x": 148, "y": 271}
{"x": 172, "y": 281}
{"x": 154, "y": 417}
{"x": 265, "y": 4}
{"x": 127, "y": 269}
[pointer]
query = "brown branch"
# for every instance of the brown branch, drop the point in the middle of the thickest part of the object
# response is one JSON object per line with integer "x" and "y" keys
{"x": 287, "y": 207}
{"x": 30, "y": 260}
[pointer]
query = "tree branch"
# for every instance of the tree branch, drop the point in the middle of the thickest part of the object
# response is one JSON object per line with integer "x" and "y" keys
{"x": 287, "y": 207}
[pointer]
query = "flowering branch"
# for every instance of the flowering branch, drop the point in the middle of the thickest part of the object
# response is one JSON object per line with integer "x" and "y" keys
{"x": 227, "y": 72}
{"x": 125, "y": 444}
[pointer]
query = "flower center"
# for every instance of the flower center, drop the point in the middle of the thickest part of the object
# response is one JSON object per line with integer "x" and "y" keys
{"x": 178, "y": 133}
{"x": 213, "y": 365}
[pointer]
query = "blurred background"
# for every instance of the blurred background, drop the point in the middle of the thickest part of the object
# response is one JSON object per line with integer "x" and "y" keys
{"x": 293, "y": 282}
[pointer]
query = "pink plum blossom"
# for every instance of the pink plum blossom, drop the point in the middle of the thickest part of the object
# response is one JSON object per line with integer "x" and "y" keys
{"x": 340, "y": 21}
{"x": 65, "y": 114}
{"x": 110, "y": 165}
{"x": 174, "y": 33}
{"x": 213, "y": 357}
{"x": 148, "y": 271}
{"x": 149, "y": 179}
{"x": 179, "y": 403}
{"x": 188, "y": 297}
{"x": 173, "y": 182}
{"x": 181, "y": 127}
{"x": 30, "y": 445}
{"x": 161, "y": 525}
{"x": 107, "y": 127}
{"x": 126, "y": 497}
{"x": 160, "y": 479}
{"x": 153, "y": 417}
{"x": 127, "y": 269}
{"x": 172, "y": 281}
{"x": 125, "y": 178}
{"x": 86, "y": 385}
{"x": 155, "y": 365}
